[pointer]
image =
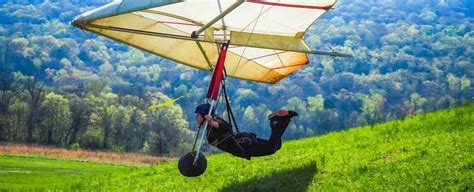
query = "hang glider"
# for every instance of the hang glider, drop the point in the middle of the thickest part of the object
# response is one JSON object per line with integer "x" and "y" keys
{"x": 266, "y": 36}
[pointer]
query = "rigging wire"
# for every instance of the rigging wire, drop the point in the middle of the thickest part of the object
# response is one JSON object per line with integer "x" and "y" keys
{"x": 283, "y": 97}
{"x": 224, "y": 28}
{"x": 250, "y": 36}
{"x": 97, "y": 47}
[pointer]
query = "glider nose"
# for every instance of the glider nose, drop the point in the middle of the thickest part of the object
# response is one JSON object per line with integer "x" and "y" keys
{"x": 76, "y": 22}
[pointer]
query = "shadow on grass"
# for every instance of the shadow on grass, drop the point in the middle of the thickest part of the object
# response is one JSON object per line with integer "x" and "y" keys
{"x": 297, "y": 179}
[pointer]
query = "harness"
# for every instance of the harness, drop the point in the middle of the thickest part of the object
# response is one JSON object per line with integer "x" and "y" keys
{"x": 228, "y": 140}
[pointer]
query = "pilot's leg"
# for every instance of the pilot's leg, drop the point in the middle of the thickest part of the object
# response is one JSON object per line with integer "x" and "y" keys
{"x": 261, "y": 147}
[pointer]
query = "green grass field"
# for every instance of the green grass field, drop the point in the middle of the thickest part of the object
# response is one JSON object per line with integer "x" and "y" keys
{"x": 434, "y": 151}
{"x": 19, "y": 173}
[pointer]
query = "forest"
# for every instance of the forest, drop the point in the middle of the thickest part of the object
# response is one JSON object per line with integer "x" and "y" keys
{"x": 64, "y": 87}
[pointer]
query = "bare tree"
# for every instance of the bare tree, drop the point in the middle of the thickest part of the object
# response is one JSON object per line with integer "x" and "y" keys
{"x": 36, "y": 91}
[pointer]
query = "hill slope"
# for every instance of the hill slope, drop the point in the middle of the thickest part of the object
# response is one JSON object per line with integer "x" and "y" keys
{"x": 429, "y": 152}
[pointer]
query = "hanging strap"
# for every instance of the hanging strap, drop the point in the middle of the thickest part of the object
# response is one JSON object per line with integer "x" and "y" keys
{"x": 229, "y": 118}
{"x": 230, "y": 114}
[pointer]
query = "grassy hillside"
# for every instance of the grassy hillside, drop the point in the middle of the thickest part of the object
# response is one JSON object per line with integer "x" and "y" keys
{"x": 427, "y": 152}
{"x": 20, "y": 173}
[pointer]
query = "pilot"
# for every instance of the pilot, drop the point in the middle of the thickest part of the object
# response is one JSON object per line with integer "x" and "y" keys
{"x": 220, "y": 132}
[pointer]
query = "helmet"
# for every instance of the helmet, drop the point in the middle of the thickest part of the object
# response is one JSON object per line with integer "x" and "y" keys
{"x": 203, "y": 109}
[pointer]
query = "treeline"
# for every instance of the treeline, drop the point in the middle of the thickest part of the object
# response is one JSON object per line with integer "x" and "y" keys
{"x": 31, "y": 112}
{"x": 61, "y": 86}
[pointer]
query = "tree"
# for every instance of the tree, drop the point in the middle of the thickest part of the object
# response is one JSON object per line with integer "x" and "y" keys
{"x": 95, "y": 87}
{"x": 35, "y": 89}
{"x": 8, "y": 91}
{"x": 465, "y": 83}
{"x": 372, "y": 107}
{"x": 315, "y": 104}
{"x": 101, "y": 119}
{"x": 56, "y": 120}
{"x": 121, "y": 125}
{"x": 249, "y": 115}
{"x": 136, "y": 134}
{"x": 415, "y": 104}
{"x": 169, "y": 133}
{"x": 317, "y": 114}
{"x": 107, "y": 111}
{"x": 81, "y": 110}
{"x": 294, "y": 130}
{"x": 16, "y": 121}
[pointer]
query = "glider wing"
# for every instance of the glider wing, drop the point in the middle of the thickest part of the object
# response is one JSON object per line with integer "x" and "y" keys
{"x": 266, "y": 36}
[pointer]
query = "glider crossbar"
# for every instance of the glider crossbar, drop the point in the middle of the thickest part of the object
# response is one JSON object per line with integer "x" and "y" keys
{"x": 195, "y": 34}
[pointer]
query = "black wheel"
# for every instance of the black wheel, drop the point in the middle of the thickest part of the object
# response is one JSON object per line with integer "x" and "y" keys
{"x": 187, "y": 168}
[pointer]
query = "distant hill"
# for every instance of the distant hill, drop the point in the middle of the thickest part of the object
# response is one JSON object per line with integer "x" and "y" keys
{"x": 426, "y": 152}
